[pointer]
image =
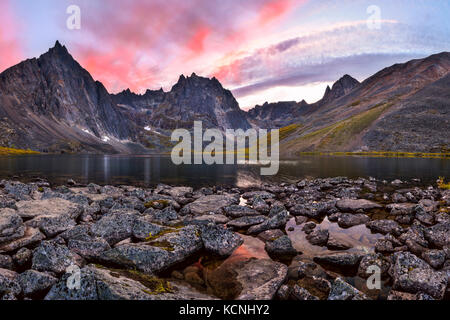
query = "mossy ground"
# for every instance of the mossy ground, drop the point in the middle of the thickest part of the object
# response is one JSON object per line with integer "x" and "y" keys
{"x": 442, "y": 184}
{"x": 155, "y": 285}
{"x": 151, "y": 237}
{"x": 12, "y": 151}
{"x": 156, "y": 204}
{"x": 384, "y": 154}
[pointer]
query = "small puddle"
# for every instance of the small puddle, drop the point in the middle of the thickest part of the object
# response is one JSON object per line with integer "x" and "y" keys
{"x": 359, "y": 237}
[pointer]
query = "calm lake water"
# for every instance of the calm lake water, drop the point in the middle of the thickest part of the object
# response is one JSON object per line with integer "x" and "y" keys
{"x": 151, "y": 170}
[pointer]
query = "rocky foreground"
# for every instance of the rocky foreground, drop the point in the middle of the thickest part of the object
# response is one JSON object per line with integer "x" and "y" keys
{"x": 105, "y": 242}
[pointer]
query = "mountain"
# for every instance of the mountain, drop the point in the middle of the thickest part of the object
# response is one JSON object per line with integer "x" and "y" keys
{"x": 276, "y": 115}
{"x": 280, "y": 114}
{"x": 53, "y": 104}
{"x": 340, "y": 88}
{"x": 384, "y": 112}
{"x": 191, "y": 99}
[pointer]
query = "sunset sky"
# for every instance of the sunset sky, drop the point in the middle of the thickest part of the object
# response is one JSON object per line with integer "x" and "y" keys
{"x": 262, "y": 50}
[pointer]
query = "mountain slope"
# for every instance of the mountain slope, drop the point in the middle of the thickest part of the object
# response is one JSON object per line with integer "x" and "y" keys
{"x": 397, "y": 94}
{"x": 52, "y": 103}
{"x": 191, "y": 99}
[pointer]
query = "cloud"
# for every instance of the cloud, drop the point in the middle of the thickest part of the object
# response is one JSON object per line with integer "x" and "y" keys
{"x": 10, "y": 47}
{"x": 325, "y": 55}
{"x": 120, "y": 43}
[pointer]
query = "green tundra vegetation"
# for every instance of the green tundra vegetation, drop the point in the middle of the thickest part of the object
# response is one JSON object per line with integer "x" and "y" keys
{"x": 13, "y": 151}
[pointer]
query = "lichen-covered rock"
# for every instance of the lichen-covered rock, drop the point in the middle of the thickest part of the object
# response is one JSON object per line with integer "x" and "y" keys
{"x": 439, "y": 234}
{"x": 341, "y": 290}
{"x": 400, "y": 209}
{"x": 8, "y": 283}
{"x": 260, "y": 279}
{"x": 104, "y": 284}
{"x": 220, "y": 241}
{"x": 48, "y": 207}
{"x": 334, "y": 243}
{"x": 115, "y": 226}
{"x": 165, "y": 216}
{"x": 79, "y": 232}
{"x": 318, "y": 237}
{"x": 261, "y": 194}
{"x": 347, "y": 220}
{"x": 284, "y": 292}
{"x": 35, "y": 283}
{"x": 143, "y": 228}
{"x": 340, "y": 260}
{"x": 384, "y": 226}
{"x": 280, "y": 247}
{"x": 270, "y": 234}
{"x": 434, "y": 258}
{"x": 89, "y": 250}
{"x": 384, "y": 246}
{"x": 157, "y": 254}
{"x": 6, "y": 262}
{"x": 313, "y": 209}
{"x": 52, "y": 225}
{"x": 246, "y": 222}
{"x": 277, "y": 221}
{"x": 370, "y": 260}
{"x": 353, "y": 205}
{"x": 237, "y": 211}
{"x": 210, "y": 204}
{"x": 22, "y": 258}
{"x": 299, "y": 293}
{"x": 53, "y": 257}
{"x": 19, "y": 190}
{"x": 260, "y": 205}
{"x": 210, "y": 218}
{"x": 30, "y": 237}
{"x": 11, "y": 225}
{"x": 412, "y": 274}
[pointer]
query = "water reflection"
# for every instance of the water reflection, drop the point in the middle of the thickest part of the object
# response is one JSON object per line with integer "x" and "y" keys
{"x": 150, "y": 170}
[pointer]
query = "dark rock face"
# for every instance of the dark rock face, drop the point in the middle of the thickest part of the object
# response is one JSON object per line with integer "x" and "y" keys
{"x": 276, "y": 115}
{"x": 196, "y": 98}
{"x": 340, "y": 88}
{"x": 55, "y": 87}
{"x": 52, "y": 104}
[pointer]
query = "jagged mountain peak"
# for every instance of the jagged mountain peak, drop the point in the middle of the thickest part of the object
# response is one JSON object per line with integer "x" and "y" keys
{"x": 195, "y": 80}
{"x": 340, "y": 88}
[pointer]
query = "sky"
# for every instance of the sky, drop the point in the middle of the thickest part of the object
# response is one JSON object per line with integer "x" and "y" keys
{"x": 262, "y": 50}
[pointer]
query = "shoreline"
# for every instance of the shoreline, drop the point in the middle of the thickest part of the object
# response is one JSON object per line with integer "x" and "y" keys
{"x": 309, "y": 238}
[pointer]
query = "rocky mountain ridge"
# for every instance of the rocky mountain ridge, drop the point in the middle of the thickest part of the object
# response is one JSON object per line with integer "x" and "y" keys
{"x": 52, "y": 104}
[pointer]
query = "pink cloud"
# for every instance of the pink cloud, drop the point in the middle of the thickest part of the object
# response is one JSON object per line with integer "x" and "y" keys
{"x": 10, "y": 47}
{"x": 142, "y": 44}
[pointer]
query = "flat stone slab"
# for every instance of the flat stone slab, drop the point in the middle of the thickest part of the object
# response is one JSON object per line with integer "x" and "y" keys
{"x": 48, "y": 207}
{"x": 31, "y": 236}
{"x": 210, "y": 204}
{"x": 355, "y": 205}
